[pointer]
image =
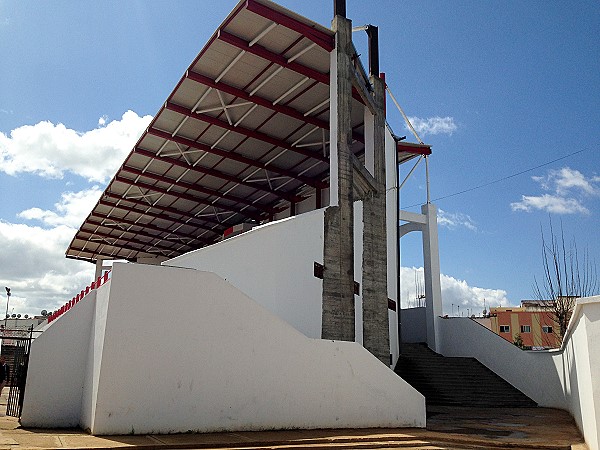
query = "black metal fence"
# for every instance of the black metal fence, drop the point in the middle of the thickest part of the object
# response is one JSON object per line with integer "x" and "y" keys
{"x": 15, "y": 349}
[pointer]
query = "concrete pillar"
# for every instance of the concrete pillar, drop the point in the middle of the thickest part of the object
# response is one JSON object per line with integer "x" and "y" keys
{"x": 431, "y": 264}
{"x": 338, "y": 253}
{"x": 99, "y": 268}
{"x": 374, "y": 260}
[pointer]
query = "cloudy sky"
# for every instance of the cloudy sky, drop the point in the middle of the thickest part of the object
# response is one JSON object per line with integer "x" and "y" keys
{"x": 505, "y": 92}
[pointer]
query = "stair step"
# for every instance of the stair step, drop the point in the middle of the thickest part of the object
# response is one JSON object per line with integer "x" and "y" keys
{"x": 456, "y": 381}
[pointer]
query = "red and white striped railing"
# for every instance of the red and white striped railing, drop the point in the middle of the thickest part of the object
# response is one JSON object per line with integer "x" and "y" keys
{"x": 67, "y": 306}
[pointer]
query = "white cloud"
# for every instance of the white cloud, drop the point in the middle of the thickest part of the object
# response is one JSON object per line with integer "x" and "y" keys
{"x": 455, "y": 220}
{"x": 33, "y": 257}
{"x": 569, "y": 189}
{"x": 551, "y": 203}
{"x": 35, "y": 268}
{"x": 51, "y": 150}
{"x": 433, "y": 125}
{"x": 70, "y": 211}
{"x": 455, "y": 293}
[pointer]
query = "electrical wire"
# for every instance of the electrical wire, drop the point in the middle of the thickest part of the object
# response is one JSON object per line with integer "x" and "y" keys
{"x": 502, "y": 179}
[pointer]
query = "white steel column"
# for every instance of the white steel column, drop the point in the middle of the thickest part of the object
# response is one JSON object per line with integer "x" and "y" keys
{"x": 431, "y": 265}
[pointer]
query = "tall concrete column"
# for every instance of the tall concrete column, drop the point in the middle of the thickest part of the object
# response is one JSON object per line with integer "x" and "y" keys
{"x": 338, "y": 254}
{"x": 374, "y": 260}
{"x": 431, "y": 264}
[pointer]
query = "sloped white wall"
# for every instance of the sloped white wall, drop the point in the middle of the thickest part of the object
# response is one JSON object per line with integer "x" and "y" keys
{"x": 57, "y": 369}
{"x": 274, "y": 265}
{"x": 185, "y": 350}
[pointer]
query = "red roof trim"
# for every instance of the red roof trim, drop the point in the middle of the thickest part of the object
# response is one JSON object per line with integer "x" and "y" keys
{"x": 415, "y": 149}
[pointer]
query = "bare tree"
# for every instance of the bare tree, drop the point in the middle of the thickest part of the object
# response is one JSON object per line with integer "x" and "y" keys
{"x": 568, "y": 275}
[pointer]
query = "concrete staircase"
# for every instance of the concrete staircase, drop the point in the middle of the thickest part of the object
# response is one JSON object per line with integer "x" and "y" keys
{"x": 453, "y": 381}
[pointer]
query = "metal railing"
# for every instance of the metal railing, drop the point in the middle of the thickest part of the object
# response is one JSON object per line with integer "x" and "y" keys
{"x": 67, "y": 306}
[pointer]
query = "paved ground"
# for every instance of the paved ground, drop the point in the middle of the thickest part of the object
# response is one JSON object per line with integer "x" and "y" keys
{"x": 448, "y": 428}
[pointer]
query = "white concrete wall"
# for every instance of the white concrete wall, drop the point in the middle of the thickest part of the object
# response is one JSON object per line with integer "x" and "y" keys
{"x": 358, "y": 254}
{"x": 94, "y": 357}
{"x": 216, "y": 360}
{"x": 393, "y": 241}
{"x": 414, "y": 325}
{"x": 274, "y": 265}
{"x": 57, "y": 368}
{"x": 566, "y": 378}
{"x": 578, "y": 365}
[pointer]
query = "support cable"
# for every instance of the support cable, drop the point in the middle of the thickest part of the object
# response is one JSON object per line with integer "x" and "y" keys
{"x": 403, "y": 114}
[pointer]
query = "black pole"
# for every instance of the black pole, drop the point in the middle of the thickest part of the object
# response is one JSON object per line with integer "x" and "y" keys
{"x": 373, "y": 33}
{"x": 339, "y": 8}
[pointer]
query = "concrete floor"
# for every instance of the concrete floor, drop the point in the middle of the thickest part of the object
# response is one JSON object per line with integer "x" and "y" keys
{"x": 447, "y": 428}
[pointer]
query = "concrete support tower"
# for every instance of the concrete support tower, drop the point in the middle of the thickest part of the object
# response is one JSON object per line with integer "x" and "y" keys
{"x": 338, "y": 276}
{"x": 374, "y": 277}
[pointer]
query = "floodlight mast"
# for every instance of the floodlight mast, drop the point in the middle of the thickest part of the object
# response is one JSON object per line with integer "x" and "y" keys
{"x": 7, "y": 301}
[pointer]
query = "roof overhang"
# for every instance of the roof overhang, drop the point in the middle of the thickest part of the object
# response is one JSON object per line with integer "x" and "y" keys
{"x": 243, "y": 136}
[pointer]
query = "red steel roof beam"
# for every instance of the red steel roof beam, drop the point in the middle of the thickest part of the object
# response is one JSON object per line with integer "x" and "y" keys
{"x": 164, "y": 217}
{"x": 282, "y": 61}
{"x": 217, "y": 174}
{"x": 117, "y": 246}
{"x": 235, "y": 157}
{"x": 195, "y": 187}
{"x": 283, "y": 109}
{"x": 191, "y": 198}
{"x": 244, "y": 131}
{"x": 133, "y": 240}
{"x": 262, "y": 52}
{"x": 133, "y": 223}
{"x": 170, "y": 210}
{"x": 322, "y": 39}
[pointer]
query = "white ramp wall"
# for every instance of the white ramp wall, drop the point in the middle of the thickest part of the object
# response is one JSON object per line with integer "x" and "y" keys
{"x": 186, "y": 351}
{"x": 273, "y": 264}
{"x": 533, "y": 373}
{"x": 57, "y": 369}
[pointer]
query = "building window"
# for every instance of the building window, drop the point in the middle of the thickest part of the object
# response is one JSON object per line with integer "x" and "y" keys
{"x": 504, "y": 328}
{"x": 547, "y": 329}
{"x": 525, "y": 328}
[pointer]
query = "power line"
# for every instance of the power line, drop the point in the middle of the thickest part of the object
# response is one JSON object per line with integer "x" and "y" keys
{"x": 503, "y": 178}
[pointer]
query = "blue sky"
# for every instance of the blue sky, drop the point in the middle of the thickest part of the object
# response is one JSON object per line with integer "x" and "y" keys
{"x": 496, "y": 88}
